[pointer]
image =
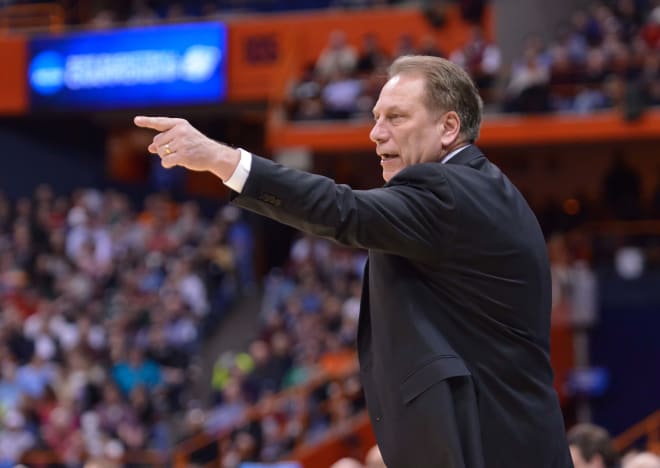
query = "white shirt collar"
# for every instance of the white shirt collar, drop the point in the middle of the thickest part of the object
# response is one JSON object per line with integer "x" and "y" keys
{"x": 452, "y": 154}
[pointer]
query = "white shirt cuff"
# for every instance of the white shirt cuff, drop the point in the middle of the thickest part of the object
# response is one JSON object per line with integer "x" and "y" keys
{"x": 237, "y": 180}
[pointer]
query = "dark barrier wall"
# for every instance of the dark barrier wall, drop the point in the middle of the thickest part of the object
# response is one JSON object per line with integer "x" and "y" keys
{"x": 626, "y": 340}
{"x": 65, "y": 154}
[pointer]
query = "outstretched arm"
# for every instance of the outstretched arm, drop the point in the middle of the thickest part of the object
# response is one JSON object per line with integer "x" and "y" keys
{"x": 412, "y": 216}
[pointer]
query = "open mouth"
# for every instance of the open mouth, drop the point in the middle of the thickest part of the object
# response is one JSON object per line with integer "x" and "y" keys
{"x": 385, "y": 156}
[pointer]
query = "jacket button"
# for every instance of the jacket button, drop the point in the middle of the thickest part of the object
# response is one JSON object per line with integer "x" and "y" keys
{"x": 377, "y": 418}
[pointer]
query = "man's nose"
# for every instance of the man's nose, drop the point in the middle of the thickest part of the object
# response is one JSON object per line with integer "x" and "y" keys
{"x": 378, "y": 133}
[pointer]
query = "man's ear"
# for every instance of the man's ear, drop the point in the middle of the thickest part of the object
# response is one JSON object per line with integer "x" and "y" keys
{"x": 450, "y": 128}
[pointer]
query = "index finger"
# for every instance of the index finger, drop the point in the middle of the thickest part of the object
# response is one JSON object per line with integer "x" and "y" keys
{"x": 157, "y": 123}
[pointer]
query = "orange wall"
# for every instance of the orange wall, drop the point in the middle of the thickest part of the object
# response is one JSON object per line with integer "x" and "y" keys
{"x": 13, "y": 88}
{"x": 266, "y": 51}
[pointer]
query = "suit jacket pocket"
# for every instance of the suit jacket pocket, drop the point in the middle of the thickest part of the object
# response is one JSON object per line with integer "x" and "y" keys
{"x": 423, "y": 378}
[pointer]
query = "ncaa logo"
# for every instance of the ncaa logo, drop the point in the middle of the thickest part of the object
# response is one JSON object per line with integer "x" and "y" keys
{"x": 46, "y": 72}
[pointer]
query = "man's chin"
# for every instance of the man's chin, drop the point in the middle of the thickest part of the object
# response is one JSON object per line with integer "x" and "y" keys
{"x": 388, "y": 174}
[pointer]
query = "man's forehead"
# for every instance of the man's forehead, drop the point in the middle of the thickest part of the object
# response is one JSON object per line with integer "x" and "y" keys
{"x": 392, "y": 81}
{"x": 399, "y": 90}
{"x": 404, "y": 83}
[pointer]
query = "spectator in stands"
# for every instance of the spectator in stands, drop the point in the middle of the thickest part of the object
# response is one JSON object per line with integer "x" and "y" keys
{"x": 141, "y": 14}
{"x": 268, "y": 372}
{"x": 135, "y": 370}
{"x": 193, "y": 425}
{"x": 340, "y": 95}
{"x": 61, "y": 431}
{"x": 592, "y": 96}
{"x": 591, "y": 447}
{"x": 113, "y": 410}
{"x": 176, "y": 11}
{"x": 564, "y": 77}
{"x": 40, "y": 372}
{"x": 172, "y": 362}
{"x": 240, "y": 239}
{"x": 437, "y": 286}
{"x": 374, "y": 459}
{"x": 651, "y": 30}
{"x": 338, "y": 56}
{"x": 481, "y": 59}
{"x": 429, "y": 46}
{"x": 11, "y": 394}
{"x": 15, "y": 439}
{"x": 528, "y": 88}
{"x": 571, "y": 38}
{"x": 103, "y": 19}
{"x": 303, "y": 100}
{"x": 247, "y": 446}
{"x": 643, "y": 460}
{"x": 59, "y": 335}
{"x": 405, "y": 45}
{"x": 347, "y": 463}
{"x": 372, "y": 56}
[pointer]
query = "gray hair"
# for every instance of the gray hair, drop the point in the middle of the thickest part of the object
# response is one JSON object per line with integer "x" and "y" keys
{"x": 448, "y": 87}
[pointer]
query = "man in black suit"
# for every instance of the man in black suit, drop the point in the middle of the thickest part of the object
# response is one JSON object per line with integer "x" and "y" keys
{"x": 453, "y": 336}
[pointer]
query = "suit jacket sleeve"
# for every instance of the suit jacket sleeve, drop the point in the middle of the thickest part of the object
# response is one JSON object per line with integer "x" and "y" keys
{"x": 411, "y": 216}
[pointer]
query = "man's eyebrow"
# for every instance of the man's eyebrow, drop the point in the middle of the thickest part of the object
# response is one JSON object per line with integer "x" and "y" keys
{"x": 387, "y": 110}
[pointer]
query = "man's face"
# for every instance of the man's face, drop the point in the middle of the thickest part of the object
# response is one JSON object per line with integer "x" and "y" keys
{"x": 405, "y": 131}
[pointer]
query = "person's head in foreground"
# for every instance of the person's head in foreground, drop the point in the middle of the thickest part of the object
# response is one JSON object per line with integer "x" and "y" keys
{"x": 642, "y": 460}
{"x": 591, "y": 447}
{"x": 428, "y": 107}
{"x": 374, "y": 459}
{"x": 347, "y": 463}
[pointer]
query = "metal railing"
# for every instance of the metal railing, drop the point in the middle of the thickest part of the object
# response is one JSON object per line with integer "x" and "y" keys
{"x": 647, "y": 429}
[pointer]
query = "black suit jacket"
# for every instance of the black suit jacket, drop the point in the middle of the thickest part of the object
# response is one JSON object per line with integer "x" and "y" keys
{"x": 453, "y": 336}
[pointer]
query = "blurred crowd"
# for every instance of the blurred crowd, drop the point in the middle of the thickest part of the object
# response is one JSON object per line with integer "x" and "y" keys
{"x": 344, "y": 83}
{"x": 298, "y": 380}
{"x": 592, "y": 446}
{"x": 103, "y": 311}
{"x": 605, "y": 57}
